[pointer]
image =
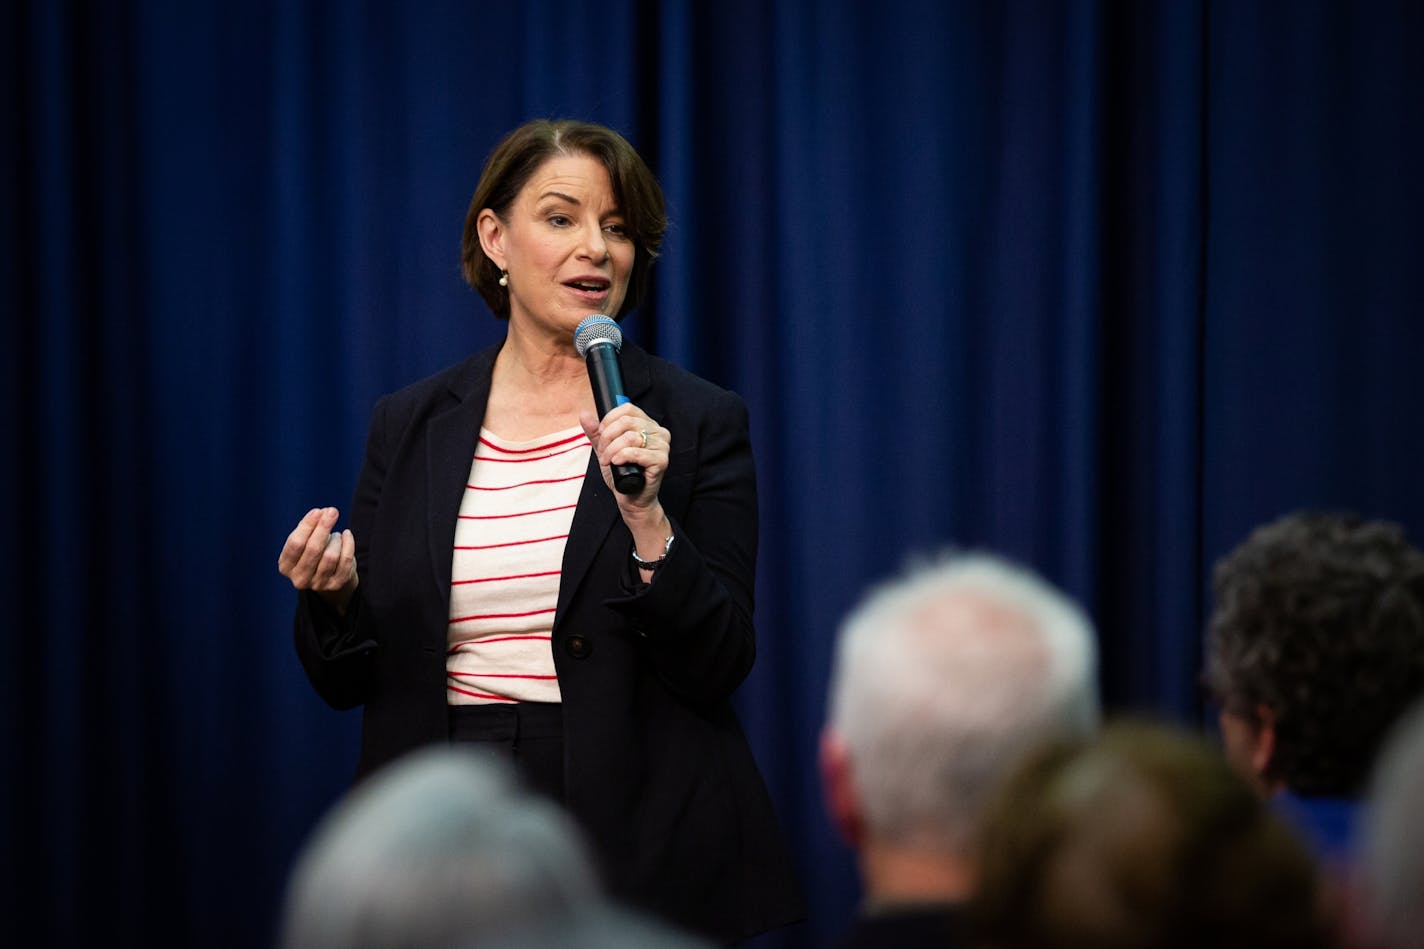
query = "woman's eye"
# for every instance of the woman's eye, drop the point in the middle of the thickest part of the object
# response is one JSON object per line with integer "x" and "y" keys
{"x": 617, "y": 230}
{"x": 559, "y": 220}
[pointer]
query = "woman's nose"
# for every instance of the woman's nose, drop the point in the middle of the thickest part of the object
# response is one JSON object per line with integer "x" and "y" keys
{"x": 595, "y": 244}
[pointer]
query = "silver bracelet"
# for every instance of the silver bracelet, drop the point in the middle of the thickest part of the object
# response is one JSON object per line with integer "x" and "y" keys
{"x": 652, "y": 564}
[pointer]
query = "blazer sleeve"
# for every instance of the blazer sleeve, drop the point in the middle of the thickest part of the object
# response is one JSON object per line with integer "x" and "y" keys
{"x": 337, "y": 652}
{"x": 696, "y": 616}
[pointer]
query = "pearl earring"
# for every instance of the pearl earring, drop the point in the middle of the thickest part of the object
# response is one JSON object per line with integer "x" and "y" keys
{"x": 504, "y": 278}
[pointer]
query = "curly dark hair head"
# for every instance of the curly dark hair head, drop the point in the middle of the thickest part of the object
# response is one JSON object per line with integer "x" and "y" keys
{"x": 1320, "y": 618}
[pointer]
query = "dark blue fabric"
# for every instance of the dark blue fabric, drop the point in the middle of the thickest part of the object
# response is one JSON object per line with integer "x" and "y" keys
{"x": 1099, "y": 286}
{"x": 1327, "y": 825}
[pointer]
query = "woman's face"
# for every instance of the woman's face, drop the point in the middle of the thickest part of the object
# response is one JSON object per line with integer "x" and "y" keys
{"x": 564, "y": 245}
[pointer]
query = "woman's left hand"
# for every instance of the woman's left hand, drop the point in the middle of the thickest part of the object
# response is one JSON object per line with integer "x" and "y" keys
{"x": 626, "y": 435}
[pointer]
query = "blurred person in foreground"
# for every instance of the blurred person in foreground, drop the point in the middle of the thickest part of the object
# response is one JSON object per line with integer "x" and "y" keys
{"x": 1391, "y": 870}
{"x": 447, "y": 849}
{"x": 1315, "y": 649}
{"x": 493, "y": 587}
{"x": 942, "y": 678}
{"x": 1145, "y": 838}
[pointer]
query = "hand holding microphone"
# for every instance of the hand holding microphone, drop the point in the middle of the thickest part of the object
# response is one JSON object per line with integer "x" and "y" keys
{"x": 623, "y": 427}
{"x": 599, "y": 340}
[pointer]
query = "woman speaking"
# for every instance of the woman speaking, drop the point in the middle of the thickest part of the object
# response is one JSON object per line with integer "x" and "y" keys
{"x": 493, "y": 587}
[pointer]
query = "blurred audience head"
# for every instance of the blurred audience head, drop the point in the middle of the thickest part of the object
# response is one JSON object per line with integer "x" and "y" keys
{"x": 594, "y": 927}
{"x": 942, "y": 677}
{"x": 1315, "y": 648}
{"x": 1145, "y": 838}
{"x": 1392, "y": 862}
{"x": 441, "y": 848}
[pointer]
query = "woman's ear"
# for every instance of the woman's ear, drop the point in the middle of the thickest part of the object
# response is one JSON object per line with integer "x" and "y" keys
{"x": 491, "y": 230}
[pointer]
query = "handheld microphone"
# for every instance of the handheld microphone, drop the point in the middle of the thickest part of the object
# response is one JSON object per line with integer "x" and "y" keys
{"x": 598, "y": 340}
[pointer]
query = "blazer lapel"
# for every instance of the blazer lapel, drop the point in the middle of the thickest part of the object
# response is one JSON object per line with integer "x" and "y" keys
{"x": 637, "y": 373}
{"x": 451, "y": 437}
{"x": 594, "y": 517}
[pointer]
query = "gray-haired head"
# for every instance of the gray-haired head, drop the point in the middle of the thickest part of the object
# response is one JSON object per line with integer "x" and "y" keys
{"x": 441, "y": 847}
{"x": 942, "y": 678}
{"x": 1393, "y": 860}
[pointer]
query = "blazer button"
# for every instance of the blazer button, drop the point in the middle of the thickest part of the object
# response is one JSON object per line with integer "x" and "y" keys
{"x": 578, "y": 646}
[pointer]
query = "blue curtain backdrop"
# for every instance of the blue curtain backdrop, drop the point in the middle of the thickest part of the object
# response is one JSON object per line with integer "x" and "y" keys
{"x": 1100, "y": 286}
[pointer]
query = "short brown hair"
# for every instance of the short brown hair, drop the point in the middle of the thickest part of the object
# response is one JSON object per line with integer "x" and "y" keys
{"x": 1142, "y": 839}
{"x": 515, "y": 160}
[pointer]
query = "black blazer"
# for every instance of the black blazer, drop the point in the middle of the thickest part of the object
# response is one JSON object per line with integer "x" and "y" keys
{"x": 657, "y": 768}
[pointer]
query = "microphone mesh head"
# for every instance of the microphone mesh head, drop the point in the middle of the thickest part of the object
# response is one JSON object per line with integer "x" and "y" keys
{"x": 595, "y": 328}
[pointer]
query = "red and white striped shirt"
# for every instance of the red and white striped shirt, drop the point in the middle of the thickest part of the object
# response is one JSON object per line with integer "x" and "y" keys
{"x": 509, "y": 549}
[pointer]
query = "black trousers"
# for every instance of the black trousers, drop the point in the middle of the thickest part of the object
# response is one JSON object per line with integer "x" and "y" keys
{"x": 528, "y": 734}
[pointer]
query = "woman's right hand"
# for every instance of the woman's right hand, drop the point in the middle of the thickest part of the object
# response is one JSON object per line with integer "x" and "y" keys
{"x": 315, "y": 559}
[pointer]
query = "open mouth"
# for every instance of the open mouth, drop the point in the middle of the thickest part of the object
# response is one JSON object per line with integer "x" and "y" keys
{"x": 588, "y": 285}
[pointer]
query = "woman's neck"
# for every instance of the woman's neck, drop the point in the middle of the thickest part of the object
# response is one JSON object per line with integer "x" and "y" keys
{"x": 536, "y": 389}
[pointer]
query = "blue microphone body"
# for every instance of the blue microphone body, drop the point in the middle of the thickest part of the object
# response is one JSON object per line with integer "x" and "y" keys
{"x": 598, "y": 339}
